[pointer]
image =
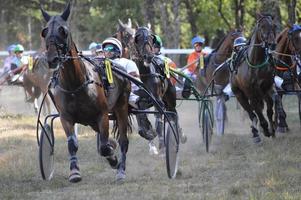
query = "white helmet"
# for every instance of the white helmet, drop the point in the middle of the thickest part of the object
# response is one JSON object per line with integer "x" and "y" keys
{"x": 113, "y": 41}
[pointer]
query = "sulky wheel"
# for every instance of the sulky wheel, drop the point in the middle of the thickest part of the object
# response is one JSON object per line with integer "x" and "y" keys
{"x": 172, "y": 149}
{"x": 46, "y": 152}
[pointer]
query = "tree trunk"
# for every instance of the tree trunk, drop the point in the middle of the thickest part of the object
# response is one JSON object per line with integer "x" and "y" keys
{"x": 149, "y": 12}
{"x": 239, "y": 13}
{"x": 291, "y": 10}
{"x": 191, "y": 15}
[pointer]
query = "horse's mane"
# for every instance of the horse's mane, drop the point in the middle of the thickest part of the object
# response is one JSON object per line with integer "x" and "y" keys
{"x": 282, "y": 35}
{"x": 220, "y": 43}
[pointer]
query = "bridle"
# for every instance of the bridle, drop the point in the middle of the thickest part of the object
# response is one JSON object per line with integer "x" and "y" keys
{"x": 145, "y": 32}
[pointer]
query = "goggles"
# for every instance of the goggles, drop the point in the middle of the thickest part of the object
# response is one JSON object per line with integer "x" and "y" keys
{"x": 109, "y": 48}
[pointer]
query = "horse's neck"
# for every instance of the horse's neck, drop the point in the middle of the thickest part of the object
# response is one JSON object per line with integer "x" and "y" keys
{"x": 223, "y": 52}
{"x": 256, "y": 53}
{"x": 284, "y": 49}
{"x": 73, "y": 72}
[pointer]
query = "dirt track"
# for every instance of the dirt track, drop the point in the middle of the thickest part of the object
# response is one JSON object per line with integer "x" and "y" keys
{"x": 235, "y": 168}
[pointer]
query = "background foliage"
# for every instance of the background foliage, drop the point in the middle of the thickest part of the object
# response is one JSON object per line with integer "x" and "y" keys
{"x": 175, "y": 20}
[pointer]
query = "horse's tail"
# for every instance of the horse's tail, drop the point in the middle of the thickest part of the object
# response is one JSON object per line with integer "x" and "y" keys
{"x": 115, "y": 131}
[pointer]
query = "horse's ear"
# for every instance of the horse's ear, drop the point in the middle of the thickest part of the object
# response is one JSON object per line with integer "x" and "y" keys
{"x": 290, "y": 25}
{"x": 258, "y": 15}
{"x": 137, "y": 25}
{"x": 66, "y": 12}
{"x": 45, "y": 14}
{"x": 149, "y": 26}
{"x": 129, "y": 23}
{"x": 121, "y": 24}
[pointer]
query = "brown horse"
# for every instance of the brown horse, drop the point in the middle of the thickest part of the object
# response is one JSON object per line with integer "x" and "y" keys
{"x": 80, "y": 97}
{"x": 220, "y": 76}
{"x": 37, "y": 79}
{"x": 253, "y": 82}
{"x": 287, "y": 54}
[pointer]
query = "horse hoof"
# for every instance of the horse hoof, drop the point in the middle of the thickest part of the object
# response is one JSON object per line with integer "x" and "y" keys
{"x": 120, "y": 176}
{"x": 256, "y": 140}
{"x": 113, "y": 161}
{"x": 113, "y": 143}
{"x": 75, "y": 176}
{"x": 148, "y": 135}
{"x": 153, "y": 149}
{"x": 282, "y": 129}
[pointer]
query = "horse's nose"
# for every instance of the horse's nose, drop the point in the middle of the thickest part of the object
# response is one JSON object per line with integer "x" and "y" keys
{"x": 53, "y": 62}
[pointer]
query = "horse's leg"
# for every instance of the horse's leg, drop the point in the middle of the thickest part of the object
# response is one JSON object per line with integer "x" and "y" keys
{"x": 122, "y": 120}
{"x": 72, "y": 148}
{"x": 258, "y": 105}
{"x": 107, "y": 146}
{"x": 281, "y": 115}
{"x": 220, "y": 109}
{"x": 244, "y": 102}
{"x": 270, "y": 112}
{"x": 36, "y": 105}
{"x": 170, "y": 100}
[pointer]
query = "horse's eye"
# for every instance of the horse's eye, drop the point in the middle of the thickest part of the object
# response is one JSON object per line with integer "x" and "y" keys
{"x": 63, "y": 31}
{"x": 44, "y": 32}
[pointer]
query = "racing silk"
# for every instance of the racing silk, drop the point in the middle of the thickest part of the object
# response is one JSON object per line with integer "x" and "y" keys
{"x": 19, "y": 62}
{"x": 131, "y": 68}
{"x": 192, "y": 61}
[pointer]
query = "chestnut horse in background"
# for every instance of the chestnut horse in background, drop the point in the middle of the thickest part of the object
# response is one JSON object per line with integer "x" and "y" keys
{"x": 287, "y": 57}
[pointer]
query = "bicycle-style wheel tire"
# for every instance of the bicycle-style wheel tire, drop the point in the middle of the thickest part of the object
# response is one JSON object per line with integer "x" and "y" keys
{"x": 98, "y": 142}
{"x": 172, "y": 149}
{"x": 46, "y": 153}
{"x": 299, "y": 102}
{"x": 207, "y": 129}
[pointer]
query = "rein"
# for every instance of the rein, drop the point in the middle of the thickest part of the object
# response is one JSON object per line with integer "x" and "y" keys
{"x": 55, "y": 77}
{"x": 263, "y": 64}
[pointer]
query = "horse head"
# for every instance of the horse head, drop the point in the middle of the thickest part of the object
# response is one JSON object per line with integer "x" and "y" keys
{"x": 265, "y": 31}
{"x": 57, "y": 37}
{"x": 144, "y": 40}
{"x": 294, "y": 35}
{"x": 125, "y": 33}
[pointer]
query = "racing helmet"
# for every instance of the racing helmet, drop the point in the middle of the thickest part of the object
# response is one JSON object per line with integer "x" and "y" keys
{"x": 197, "y": 39}
{"x": 112, "y": 45}
{"x": 18, "y": 48}
{"x": 240, "y": 41}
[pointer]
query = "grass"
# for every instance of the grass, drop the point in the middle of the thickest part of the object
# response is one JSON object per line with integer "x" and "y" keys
{"x": 235, "y": 168}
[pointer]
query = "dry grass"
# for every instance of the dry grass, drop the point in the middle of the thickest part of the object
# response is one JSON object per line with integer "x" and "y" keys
{"x": 234, "y": 169}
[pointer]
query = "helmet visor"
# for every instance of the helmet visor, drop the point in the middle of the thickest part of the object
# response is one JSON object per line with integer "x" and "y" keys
{"x": 109, "y": 48}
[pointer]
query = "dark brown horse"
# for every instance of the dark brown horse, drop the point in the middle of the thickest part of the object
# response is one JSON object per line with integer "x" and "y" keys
{"x": 151, "y": 69}
{"x": 253, "y": 82}
{"x": 287, "y": 58}
{"x": 220, "y": 76}
{"x": 80, "y": 97}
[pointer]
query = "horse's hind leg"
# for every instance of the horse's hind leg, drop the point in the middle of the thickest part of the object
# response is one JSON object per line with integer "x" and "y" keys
{"x": 258, "y": 107}
{"x": 270, "y": 112}
{"x": 243, "y": 100}
{"x": 75, "y": 175}
{"x": 107, "y": 146}
{"x": 122, "y": 118}
{"x": 282, "y": 126}
{"x": 171, "y": 103}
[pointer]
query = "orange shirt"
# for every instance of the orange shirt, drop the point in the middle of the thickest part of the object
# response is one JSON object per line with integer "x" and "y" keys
{"x": 192, "y": 59}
